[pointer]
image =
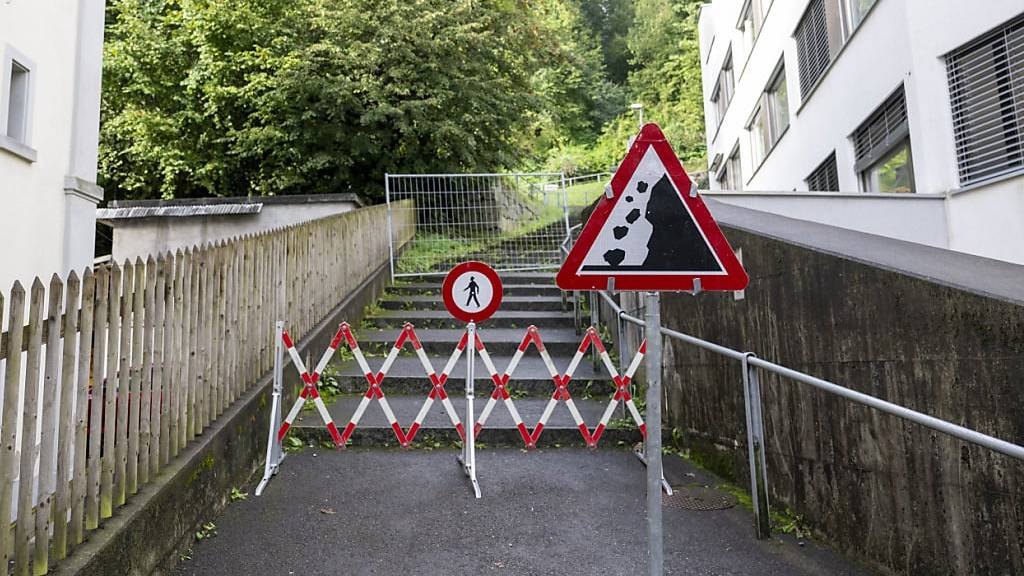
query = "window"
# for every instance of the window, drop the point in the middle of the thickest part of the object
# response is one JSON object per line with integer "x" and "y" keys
{"x": 750, "y": 22}
{"x": 854, "y": 12}
{"x": 722, "y": 94}
{"x": 824, "y": 178}
{"x": 893, "y": 173}
{"x": 882, "y": 148}
{"x": 16, "y": 103}
{"x": 986, "y": 88}
{"x": 758, "y": 129}
{"x": 777, "y": 98}
{"x": 825, "y": 26}
{"x": 771, "y": 116}
{"x": 731, "y": 177}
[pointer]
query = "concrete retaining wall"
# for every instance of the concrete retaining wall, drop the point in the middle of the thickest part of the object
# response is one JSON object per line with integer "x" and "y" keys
{"x": 907, "y": 498}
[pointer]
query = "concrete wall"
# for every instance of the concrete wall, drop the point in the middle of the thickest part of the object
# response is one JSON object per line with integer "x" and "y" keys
{"x": 40, "y": 206}
{"x": 900, "y": 41}
{"x": 144, "y": 236}
{"x": 896, "y": 494}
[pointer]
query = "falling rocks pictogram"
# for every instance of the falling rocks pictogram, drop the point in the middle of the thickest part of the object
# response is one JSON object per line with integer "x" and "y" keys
{"x": 675, "y": 243}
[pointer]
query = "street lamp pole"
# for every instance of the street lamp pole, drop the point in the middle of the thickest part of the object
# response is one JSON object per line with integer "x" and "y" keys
{"x": 639, "y": 108}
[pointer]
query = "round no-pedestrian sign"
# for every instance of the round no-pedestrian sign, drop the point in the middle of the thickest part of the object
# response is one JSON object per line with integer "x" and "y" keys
{"x": 472, "y": 291}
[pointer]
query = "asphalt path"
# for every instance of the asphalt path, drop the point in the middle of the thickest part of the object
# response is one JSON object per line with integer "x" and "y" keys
{"x": 558, "y": 511}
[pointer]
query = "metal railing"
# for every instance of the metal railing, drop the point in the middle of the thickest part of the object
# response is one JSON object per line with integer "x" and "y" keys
{"x": 755, "y": 421}
{"x": 752, "y": 397}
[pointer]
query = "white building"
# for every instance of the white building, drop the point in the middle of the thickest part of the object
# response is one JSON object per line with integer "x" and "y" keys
{"x": 50, "y": 70}
{"x": 903, "y": 118}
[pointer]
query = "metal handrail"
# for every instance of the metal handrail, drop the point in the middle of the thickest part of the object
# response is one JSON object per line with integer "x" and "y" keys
{"x": 966, "y": 434}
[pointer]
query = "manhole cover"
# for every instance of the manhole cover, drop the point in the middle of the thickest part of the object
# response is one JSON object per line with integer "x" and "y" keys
{"x": 700, "y": 498}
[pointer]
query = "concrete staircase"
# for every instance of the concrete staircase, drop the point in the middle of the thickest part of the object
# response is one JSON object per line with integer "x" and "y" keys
{"x": 529, "y": 299}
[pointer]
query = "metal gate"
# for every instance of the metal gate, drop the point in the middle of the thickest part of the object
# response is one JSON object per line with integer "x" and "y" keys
{"x": 514, "y": 222}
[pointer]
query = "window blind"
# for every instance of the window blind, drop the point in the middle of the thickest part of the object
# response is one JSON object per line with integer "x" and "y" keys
{"x": 986, "y": 89}
{"x": 886, "y": 126}
{"x": 824, "y": 178}
{"x": 812, "y": 45}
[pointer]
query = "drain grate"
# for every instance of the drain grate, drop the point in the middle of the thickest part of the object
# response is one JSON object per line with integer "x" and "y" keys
{"x": 699, "y": 498}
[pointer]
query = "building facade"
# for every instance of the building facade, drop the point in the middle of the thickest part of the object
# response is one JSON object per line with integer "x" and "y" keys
{"x": 903, "y": 118}
{"x": 50, "y": 72}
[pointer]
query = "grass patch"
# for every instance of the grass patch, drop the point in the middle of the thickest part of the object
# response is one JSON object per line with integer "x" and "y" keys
{"x": 584, "y": 194}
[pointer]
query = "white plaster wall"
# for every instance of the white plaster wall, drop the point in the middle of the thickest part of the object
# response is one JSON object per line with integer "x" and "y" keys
{"x": 143, "y": 237}
{"x": 900, "y": 41}
{"x": 32, "y": 194}
{"x": 988, "y": 221}
{"x": 934, "y": 29}
{"x": 914, "y": 218}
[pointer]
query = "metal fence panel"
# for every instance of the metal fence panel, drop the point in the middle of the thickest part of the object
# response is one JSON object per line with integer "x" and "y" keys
{"x": 514, "y": 222}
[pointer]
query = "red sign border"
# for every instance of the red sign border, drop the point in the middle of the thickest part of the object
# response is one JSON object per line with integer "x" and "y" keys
{"x": 651, "y": 136}
{"x": 448, "y": 287}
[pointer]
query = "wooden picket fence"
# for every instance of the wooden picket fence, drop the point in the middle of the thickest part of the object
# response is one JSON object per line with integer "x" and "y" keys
{"x": 116, "y": 370}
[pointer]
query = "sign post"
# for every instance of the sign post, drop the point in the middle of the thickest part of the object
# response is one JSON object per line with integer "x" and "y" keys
{"x": 652, "y": 451}
{"x": 472, "y": 292}
{"x": 652, "y": 232}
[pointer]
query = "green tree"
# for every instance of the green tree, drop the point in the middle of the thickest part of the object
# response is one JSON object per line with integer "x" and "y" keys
{"x": 235, "y": 97}
{"x": 666, "y": 79}
{"x": 611, "y": 21}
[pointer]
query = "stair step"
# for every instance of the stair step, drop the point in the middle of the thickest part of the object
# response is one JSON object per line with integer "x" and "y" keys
{"x": 498, "y": 341}
{"x": 434, "y": 302}
{"x": 530, "y": 378}
{"x": 537, "y": 278}
{"x": 500, "y": 319}
{"x": 432, "y": 289}
{"x": 500, "y": 429}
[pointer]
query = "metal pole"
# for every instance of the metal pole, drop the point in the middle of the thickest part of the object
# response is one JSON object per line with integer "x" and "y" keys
{"x": 274, "y": 453}
{"x": 755, "y": 449}
{"x": 391, "y": 237}
{"x": 565, "y": 205}
{"x": 595, "y": 319}
{"x": 655, "y": 555}
{"x": 468, "y": 458}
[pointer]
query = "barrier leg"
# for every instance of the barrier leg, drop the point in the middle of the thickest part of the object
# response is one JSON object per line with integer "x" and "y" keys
{"x": 468, "y": 457}
{"x": 274, "y": 452}
{"x": 638, "y": 451}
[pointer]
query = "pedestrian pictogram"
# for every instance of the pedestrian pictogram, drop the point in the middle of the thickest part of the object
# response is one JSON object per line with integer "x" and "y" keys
{"x": 472, "y": 291}
{"x": 653, "y": 232}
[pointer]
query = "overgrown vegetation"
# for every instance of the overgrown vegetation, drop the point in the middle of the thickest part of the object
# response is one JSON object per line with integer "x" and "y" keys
{"x": 247, "y": 97}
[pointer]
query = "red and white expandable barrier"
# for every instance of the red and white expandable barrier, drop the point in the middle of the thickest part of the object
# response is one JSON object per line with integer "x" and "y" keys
{"x": 374, "y": 390}
{"x": 310, "y": 389}
{"x": 561, "y": 392}
{"x": 438, "y": 381}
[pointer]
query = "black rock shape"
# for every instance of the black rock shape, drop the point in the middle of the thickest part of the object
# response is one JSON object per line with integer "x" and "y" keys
{"x": 629, "y": 198}
{"x": 615, "y": 256}
{"x": 676, "y": 243}
{"x": 641, "y": 187}
{"x": 633, "y": 215}
{"x": 620, "y": 232}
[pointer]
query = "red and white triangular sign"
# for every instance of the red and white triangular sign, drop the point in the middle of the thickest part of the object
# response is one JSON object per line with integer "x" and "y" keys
{"x": 654, "y": 233}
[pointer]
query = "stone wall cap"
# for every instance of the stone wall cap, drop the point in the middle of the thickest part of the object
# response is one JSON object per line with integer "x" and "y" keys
{"x": 977, "y": 274}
